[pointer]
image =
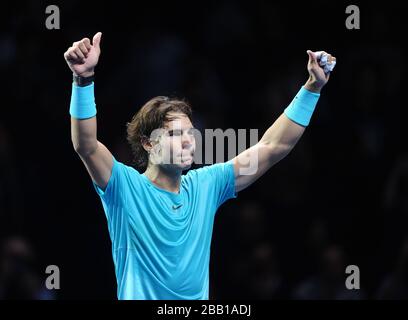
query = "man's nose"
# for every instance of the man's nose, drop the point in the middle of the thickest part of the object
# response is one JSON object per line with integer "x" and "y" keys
{"x": 187, "y": 140}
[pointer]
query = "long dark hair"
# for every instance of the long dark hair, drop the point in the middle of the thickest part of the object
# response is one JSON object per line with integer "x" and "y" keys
{"x": 153, "y": 115}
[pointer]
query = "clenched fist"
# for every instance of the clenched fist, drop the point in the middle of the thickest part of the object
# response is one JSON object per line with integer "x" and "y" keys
{"x": 83, "y": 56}
{"x": 318, "y": 77}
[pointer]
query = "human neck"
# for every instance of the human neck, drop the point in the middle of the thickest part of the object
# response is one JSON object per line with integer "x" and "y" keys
{"x": 164, "y": 179}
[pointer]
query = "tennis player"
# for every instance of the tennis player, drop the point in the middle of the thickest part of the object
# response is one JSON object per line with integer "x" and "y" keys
{"x": 160, "y": 220}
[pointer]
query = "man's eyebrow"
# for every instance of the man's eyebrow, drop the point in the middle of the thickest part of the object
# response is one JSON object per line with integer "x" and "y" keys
{"x": 173, "y": 129}
{"x": 179, "y": 129}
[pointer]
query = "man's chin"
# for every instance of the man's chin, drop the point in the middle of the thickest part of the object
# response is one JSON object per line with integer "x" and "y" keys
{"x": 183, "y": 164}
{"x": 186, "y": 165}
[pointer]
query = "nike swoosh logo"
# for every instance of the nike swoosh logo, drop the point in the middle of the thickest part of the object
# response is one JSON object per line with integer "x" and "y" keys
{"x": 176, "y": 207}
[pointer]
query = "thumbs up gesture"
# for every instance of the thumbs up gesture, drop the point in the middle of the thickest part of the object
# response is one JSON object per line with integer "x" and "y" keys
{"x": 83, "y": 56}
{"x": 319, "y": 73}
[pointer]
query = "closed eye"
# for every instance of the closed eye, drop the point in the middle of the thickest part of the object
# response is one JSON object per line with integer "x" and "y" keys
{"x": 176, "y": 132}
{"x": 179, "y": 132}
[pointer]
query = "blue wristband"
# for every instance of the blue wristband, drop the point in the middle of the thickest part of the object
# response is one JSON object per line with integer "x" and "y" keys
{"x": 82, "y": 102}
{"x": 302, "y": 106}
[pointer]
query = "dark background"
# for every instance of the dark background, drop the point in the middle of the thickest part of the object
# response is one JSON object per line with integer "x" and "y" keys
{"x": 339, "y": 198}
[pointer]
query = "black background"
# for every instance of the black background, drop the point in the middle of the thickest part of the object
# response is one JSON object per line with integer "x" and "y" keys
{"x": 239, "y": 63}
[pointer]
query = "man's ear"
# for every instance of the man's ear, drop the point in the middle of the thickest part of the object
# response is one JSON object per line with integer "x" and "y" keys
{"x": 146, "y": 144}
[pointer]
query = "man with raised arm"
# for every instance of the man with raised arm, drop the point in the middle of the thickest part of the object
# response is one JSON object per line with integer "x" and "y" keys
{"x": 160, "y": 220}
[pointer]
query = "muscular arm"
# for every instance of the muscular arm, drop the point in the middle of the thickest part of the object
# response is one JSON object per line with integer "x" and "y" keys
{"x": 280, "y": 138}
{"x": 82, "y": 57}
{"x": 95, "y": 156}
{"x": 274, "y": 145}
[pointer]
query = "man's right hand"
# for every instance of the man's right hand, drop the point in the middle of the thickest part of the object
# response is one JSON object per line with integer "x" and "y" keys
{"x": 83, "y": 56}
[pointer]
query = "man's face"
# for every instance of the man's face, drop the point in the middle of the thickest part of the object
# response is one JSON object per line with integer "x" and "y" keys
{"x": 175, "y": 143}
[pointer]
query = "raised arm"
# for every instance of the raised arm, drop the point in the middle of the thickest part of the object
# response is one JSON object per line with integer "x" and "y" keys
{"x": 285, "y": 132}
{"x": 82, "y": 58}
